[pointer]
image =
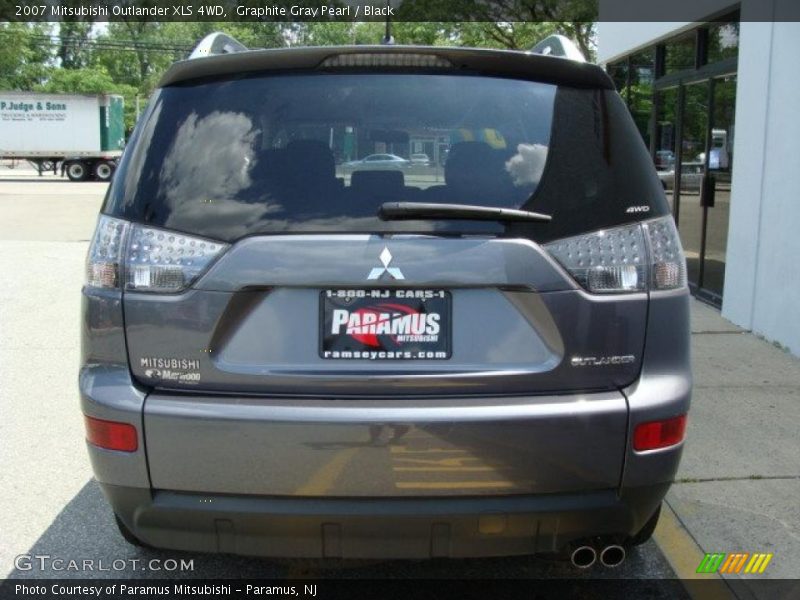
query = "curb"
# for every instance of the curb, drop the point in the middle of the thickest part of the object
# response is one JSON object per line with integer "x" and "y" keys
{"x": 684, "y": 554}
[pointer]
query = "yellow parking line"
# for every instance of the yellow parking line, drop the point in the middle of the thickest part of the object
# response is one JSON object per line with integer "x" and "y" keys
{"x": 324, "y": 478}
{"x": 406, "y": 450}
{"x": 684, "y": 556}
{"x": 452, "y": 485}
{"x": 438, "y": 462}
{"x": 459, "y": 469}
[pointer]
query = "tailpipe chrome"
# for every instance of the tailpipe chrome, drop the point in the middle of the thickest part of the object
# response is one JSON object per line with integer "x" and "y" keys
{"x": 583, "y": 557}
{"x": 612, "y": 556}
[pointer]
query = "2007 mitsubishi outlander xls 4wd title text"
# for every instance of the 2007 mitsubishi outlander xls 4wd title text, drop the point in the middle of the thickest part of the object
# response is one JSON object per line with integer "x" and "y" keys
{"x": 289, "y": 353}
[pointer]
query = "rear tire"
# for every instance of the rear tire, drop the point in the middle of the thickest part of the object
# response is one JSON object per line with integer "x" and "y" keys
{"x": 103, "y": 170}
{"x": 77, "y": 171}
{"x": 128, "y": 534}
{"x": 647, "y": 531}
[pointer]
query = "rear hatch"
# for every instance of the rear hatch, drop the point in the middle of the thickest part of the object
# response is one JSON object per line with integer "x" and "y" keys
{"x": 299, "y": 316}
{"x": 265, "y": 262}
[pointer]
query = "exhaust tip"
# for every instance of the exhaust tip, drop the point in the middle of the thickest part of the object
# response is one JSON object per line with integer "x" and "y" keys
{"x": 583, "y": 557}
{"x": 612, "y": 556}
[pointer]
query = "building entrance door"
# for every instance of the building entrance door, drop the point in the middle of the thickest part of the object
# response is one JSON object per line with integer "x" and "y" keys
{"x": 694, "y": 156}
{"x": 719, "y": 167}
{"x": 691, "y": 215}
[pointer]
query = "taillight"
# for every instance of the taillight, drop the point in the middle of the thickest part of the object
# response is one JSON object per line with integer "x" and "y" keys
{"x": 632, "y": 258}
{"x": 667, "y": 262}
{"x": 111, "y": 435}
{"x": 659, "y": 434}
{"x": 605, "y": 261}
{"x": 103, "y": 263}
{"x": 146, "y": 259}
{"x": 163, "y": 261}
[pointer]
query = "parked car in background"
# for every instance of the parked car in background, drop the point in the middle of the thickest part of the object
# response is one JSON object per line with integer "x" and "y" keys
{"x": 665, "y": 160}
{"x": 691, "y": 177}
{"x": 379, "y": 161}
{"x": 420, "y": 159}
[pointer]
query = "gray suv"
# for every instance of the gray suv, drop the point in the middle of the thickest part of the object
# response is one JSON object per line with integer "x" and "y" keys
{"x": 484, "y": 355}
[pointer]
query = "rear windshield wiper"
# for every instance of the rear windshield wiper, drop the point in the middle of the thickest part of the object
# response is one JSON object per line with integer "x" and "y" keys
{"x": 426, "y": 210}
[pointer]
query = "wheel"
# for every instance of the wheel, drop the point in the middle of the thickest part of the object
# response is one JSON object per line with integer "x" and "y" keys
{"x": 103, "y": 170}
{"x": 647, "y": 531}
{"x": 128, "y": 534}
{"x": 77, "y": 171}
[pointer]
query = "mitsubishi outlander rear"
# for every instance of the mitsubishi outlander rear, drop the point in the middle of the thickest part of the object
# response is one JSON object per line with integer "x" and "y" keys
{"x": 289, "y": 351}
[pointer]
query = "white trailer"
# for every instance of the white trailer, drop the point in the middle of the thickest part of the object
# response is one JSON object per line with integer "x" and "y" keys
{"x": 82, "y": 134}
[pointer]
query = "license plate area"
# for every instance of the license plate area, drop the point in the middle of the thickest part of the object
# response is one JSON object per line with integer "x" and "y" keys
{"x": 385, "y": 324}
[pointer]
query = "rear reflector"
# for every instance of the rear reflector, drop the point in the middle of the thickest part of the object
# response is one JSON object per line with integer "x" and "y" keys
{"x": 659, "y": 434}
{"x": 111, "y": 434}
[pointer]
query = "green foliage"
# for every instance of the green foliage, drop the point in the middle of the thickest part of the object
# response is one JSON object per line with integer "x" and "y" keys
{"x": 517, "y": 36}
{"x": 342, "y": 33}
{"x": 77, "y": 81}
{"x": 513, "y": 24}
{"x": 90, "y": 81}
{"x": 73, "y": 51}
{"x": 150, "y": 51}
{"x": 23, "y": 63}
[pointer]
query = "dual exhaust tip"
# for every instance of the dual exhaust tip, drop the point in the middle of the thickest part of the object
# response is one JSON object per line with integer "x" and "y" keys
{"x": 610, "y": 556}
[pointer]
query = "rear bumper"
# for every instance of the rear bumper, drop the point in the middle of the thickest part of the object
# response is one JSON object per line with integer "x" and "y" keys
{"x": 316, "y": 520}
{"x": 380, "y": 528}
{"x": 234, "y": 475}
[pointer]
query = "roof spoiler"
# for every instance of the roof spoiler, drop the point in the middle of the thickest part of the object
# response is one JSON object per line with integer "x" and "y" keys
{"x": 561, "y": 46}
{"x": 217, "y": 43}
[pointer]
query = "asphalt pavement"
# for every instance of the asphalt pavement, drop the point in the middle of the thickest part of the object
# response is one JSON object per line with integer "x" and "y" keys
{"x": 737, "y": 488}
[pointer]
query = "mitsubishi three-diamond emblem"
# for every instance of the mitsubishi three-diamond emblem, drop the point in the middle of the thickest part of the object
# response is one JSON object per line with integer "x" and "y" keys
{"x": 393, "y": 272}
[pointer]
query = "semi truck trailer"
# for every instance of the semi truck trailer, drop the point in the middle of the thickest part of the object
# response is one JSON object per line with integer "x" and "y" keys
{"x": 82, "y": 134}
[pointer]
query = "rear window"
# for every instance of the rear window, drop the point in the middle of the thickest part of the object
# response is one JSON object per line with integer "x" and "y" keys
{"x": 321, "y": 153}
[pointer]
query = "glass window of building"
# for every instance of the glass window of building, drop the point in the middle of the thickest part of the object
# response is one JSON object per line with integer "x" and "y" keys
{"x": 619, "y": 74}
{"x": 723, "y": 41}
{"x": 679, "y": 53}
{"x": 640, "y": 93}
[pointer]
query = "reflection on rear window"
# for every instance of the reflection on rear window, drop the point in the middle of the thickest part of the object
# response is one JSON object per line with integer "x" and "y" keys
{"x": 322, "y": 152}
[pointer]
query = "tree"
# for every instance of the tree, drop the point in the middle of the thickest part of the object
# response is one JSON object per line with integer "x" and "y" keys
{"x": 145, "y": 51}
{"x": 23, "y": 60}
{"x": 253, "y": 34}
{"x": 340, "y": 33}
{"x": 511, "y": 35}
{"x": 513, "y": 24}
{"x": 90, "y": 81}
{"x": 73, "y": 51}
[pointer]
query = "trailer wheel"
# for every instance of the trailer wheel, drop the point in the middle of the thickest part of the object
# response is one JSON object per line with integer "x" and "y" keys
{"x": 103, "y": 170}
{"x": 77, "y": 171}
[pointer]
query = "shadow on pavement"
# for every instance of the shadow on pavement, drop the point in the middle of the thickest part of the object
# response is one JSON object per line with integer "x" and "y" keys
{"x": 85, "y": 530}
